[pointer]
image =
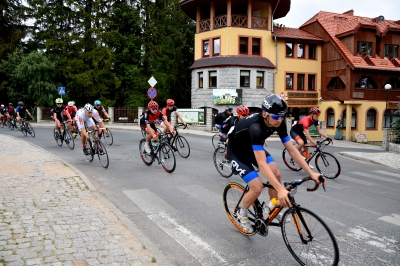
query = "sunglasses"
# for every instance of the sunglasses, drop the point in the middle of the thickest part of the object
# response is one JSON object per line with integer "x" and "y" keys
{"x": 97, "y": 105}
{"x": 277, "y": 117}
{"x": 154, "y": 109}
{"x": 59, "y": 103}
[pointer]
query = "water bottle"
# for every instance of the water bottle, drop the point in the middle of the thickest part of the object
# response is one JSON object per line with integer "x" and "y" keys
{"x": 270, "y": 206}
{"x": 155, "y": 144}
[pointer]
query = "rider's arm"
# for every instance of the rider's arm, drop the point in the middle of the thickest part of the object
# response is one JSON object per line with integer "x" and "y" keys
{"x": 298, "y": 158}
{"x": 322, "y": 133}
{"x": 181, "y": 118}
{"x": 308, "y": 136}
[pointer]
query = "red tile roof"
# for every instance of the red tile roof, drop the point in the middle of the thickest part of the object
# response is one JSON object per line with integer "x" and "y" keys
{"x": 283, "y": 32}
{"x": 336, "y": 24}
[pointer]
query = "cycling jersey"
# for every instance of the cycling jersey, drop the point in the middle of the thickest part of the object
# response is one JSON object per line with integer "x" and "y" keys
{"x": 21, "y": 110}
{"x": 150, "y": 118}
{"x": 221, "y": 117}
{"x": 71, "y": 110}
{"x": 10, "y": 110}
{"x": 101, "y": 111}
{"x": 297, "y": 131}
{"x": 96, "y": 116}
{"x": 167, "y": 112}
{"x": 58, "y": 111}
{"x": 81, "y": 117}
{"x": 2, "y": 111}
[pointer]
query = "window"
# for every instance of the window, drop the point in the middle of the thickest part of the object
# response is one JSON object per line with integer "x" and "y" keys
{"x": 330, "y": 118}
{"x": 289, "y": 49}
{"x": 244, "y": 78}
{"x": 353, "y": 119}
{"x": 391, "y": 51}
{"x": 212, "y": 77}
{"x": 312, "y": 51}
{"x": 260, "y": 79}
{"x": 300, "y": 50}
{"x": 366, "y": 82}
{"x": 371, "y": 119}
{"x": 206, "y": 48}
{"x": 216, "y": 46}
{"x": 311, "y": 82}
{"x": 364, "y": 48}
{"x": 336, "y": 83}
{"x": 256, "y": 44}
{"x": 395, "y": 82}
{"x": 387, "y": 119}
{"x": 243, "y": 44}
{"x": 289, "y": 81}
{"x": 200, "y": 79}
{"x": 300, "y": 81}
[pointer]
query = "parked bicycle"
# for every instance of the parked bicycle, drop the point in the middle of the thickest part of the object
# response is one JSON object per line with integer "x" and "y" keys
{"x": 160, "y": 151}
{"x": 64, "y": 135}
{"x": 26, "y": 128}
{"x": 178, "y": 142}
{"x": 326, "y": 163}
{"x": 307, "y": 237}
{"x": 96, "y": 146}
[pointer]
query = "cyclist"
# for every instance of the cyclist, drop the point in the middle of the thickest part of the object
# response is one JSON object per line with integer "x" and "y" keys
{"x": 221, "y": 121}
{"x": 299, "y": 132}
{"x": 102, "y": 112}
{"x": 245, "y": 149}
{"x": 56, "y": 115}
{"x": 71, "y": 109}
{"x": 83, "y": 116}
{"x": 167, "y": 110}
{"x": 147, "y": 123}
{"x": 9, "y": 112}
{"x": 22, "y": 111}
{"x": 2, "y": 110}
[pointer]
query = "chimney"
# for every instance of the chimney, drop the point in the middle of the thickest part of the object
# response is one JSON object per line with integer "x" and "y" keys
{"x": 349, "y": 12}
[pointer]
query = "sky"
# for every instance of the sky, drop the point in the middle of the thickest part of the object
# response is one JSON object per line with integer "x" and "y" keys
{"x": 302, "y": 10}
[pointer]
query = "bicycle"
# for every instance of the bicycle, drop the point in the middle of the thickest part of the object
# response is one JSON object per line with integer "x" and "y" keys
{"x": 108, "y": 139}
{"x": 4, "y": 122}
{"x": 221, "y": 162}
{"x": 161, "y": 151}
{"x": 307, "y": 237}
{"x": 144, "y": 133}
{"x": 63, "y": 134}
{"x": 325, "y": 162}
{"x": 178, "y": 142}
{"x": 13, "y": 123}
{"x": 26, "y": 128}
{"x": 95, "y": 146}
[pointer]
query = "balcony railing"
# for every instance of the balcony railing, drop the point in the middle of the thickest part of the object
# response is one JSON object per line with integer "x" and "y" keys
{"x": 240, "y": 21}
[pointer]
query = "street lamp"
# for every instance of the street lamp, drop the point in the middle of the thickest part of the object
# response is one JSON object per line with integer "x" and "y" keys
{"x": 387, "y": 88}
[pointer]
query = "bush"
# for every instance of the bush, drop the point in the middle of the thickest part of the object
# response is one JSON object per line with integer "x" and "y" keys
{"x": 396, "y": 127}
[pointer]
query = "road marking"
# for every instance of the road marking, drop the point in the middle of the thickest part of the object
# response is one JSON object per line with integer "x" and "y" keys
{"x": 371, "y": 238}
{"x": 393, "y": 219}
{"x": 198, "y": 248}
{"x": 387, "y": 173}
{"x": 201, "y": 194}
{"x": 148, "y": 201}
{"x": 353, "y": 180}
{"x": 376, "y": 177}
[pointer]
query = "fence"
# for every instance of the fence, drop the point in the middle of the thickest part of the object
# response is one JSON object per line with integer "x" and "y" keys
{"x": 46, "y": 113}
{"x": 125, "y": 115}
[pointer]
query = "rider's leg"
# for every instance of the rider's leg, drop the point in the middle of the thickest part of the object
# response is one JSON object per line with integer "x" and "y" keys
{"x": 274, "y": 167}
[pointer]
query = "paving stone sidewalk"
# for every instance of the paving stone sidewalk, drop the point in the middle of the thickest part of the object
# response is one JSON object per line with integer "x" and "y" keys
{"x": 48, "y": 215}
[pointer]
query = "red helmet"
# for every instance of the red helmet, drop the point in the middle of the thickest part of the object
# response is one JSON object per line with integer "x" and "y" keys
{"x": 315, "y": 111}
{"x": 242, "y": 110}
{"x": 152, "y": 105}
{"x": 170, "y": 102}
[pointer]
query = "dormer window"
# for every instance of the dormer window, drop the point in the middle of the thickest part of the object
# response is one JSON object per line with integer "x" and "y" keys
{"x": 336, "y": 83}
{"x": 366, "y": 82}
{"x": 391, "y": 51}
{"x": 364, "y": 48}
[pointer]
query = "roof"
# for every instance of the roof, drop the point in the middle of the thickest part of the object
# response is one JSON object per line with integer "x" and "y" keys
{"x": 292, "y": 33}
{"x": 250, "y": 61}
{"x": 337, "y": 25}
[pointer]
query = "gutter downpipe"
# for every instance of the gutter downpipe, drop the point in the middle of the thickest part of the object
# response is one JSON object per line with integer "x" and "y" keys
{"x": 276, "y": 63}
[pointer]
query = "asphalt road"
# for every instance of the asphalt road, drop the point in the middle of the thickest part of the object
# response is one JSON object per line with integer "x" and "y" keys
{"x": 183, "y": 215}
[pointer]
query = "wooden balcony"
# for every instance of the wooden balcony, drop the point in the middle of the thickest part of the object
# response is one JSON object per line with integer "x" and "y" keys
{"x": 239, "y": 21}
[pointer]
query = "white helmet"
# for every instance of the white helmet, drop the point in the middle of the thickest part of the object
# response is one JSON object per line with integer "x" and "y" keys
{"x": 70, "y": 103}
{"x": 88, "y": 108}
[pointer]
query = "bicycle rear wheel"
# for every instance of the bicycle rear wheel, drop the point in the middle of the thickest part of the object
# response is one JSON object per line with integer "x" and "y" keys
{"x": 222, "y": 164}
{"x": 327, "y": 164}
{"x": 30, "y": 129}
{"x": 313, "y": 242}
{"x": 24, "y": 130}
{"x": 89, "y": 146}
{"x": 69, "y": 139}
{"x": 182, "y": 145}
{"x": 147, "y": 158}
{"x": 232, "y": 196}
{"x": 108, "y": 139}
{"x": 167, "y": 157}
{"x": 58, "y": 138}
{"x": 288, "y": 160}
{"x": 102, "y": 153}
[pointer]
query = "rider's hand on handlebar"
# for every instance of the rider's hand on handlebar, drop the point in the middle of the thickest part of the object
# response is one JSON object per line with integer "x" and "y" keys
{"x": 283, "y": 198}
{"x": 317, "y": 179}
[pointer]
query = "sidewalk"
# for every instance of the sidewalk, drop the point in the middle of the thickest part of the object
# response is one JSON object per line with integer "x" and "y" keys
{"x": 51, "y": 215}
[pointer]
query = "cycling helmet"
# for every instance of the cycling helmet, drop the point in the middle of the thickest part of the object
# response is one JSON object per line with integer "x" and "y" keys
{"x": 152, "y": 104}
{"x": 70, "y": 103}
{"x": 20, "y": 103}
{"x": 2, "y": 106}
{"x": 59, "y": 100}
{"x": 88, "y": 108}
{"x": 170, "y": 102}
{"x": 315, "y": 111}
{"x": 10, "y": 104}
{"x": 242, "y": 110}
{"x": 97, "y": 102}
{"x": 229, "y": 109}
{"x": 274, "y": 104}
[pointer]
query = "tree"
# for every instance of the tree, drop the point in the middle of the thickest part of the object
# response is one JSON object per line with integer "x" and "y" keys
{"x": 396, "y": 127}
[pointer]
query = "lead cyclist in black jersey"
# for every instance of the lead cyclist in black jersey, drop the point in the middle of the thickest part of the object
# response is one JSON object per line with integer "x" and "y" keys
{"x": 245, "y": 149}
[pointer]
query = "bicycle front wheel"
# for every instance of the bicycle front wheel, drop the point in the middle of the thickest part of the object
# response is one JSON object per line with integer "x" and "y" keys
{"x": 147, "y": 158}
{"x": 108, "y": 138}
{"x": 102, "y": 154}
{"x": 69, "y": 139}
{"x": 24, "y": 130}
{"x": 232, "y": 196}
{"x": 309, "y": 239}
{"x": 89, "y": 146}
{"x": 30, "y": 129}
{"x": 167, "y": 157}
{"x": 327, "y": 164}
{"x": 288, "y": 160}
{"x": 215, "y": 140}
{"x": 222, "y": 164}
{"x": 182, "y": 145}
{"x": 58, "y": 138}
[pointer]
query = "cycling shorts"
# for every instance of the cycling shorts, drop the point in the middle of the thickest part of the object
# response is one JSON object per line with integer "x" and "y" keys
{"x": 298, "y": 134}
{"x": 144, "y": 128}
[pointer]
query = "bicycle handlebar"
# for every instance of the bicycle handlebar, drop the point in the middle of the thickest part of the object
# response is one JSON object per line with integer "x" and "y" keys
{"x": 298, "y": 182}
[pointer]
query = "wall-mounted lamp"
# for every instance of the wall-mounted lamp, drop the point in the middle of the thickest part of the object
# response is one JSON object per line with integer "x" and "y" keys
{"x": 387, "y": 88}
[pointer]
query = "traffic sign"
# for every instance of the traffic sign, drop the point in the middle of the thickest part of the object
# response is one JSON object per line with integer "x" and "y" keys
{"x": 282, "y": 95}
{"x": 61, "y": 90}
{"x": 152, "y": 93}
{"x": 152, "y": 81}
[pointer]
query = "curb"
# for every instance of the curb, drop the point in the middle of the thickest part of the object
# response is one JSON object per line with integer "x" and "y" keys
{"x": 363, "y": 159}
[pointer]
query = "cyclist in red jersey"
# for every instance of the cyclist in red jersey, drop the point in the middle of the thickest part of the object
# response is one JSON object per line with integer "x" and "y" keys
{"x": 71, "y": 109}
{"x": 167, "y": 110}
{"x": 300, "y": 133}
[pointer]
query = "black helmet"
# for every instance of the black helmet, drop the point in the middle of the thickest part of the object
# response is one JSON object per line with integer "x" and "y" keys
{"x": 274, "y": 104}
{"x": 20, "y": 103}
{"x": 229, "y": 109}
{"x": 10, "y": 104}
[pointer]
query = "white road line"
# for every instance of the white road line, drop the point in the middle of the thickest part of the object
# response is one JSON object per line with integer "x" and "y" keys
{"x": 387, "y": 173}
{"x": 376, "y": 177}
{"x": 148, "y": 201}
{"x": 393, "y": 219}
{"x": 372, "y": 238}
{"x": 199, "y": 249}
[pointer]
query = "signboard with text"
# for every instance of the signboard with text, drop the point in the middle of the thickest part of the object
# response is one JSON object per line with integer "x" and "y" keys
{"x": 192, "y": 116}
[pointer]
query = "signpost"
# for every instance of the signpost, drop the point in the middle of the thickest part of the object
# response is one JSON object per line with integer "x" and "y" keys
{"x": 152, "y": 92}
{"x": 61, "y": 91}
